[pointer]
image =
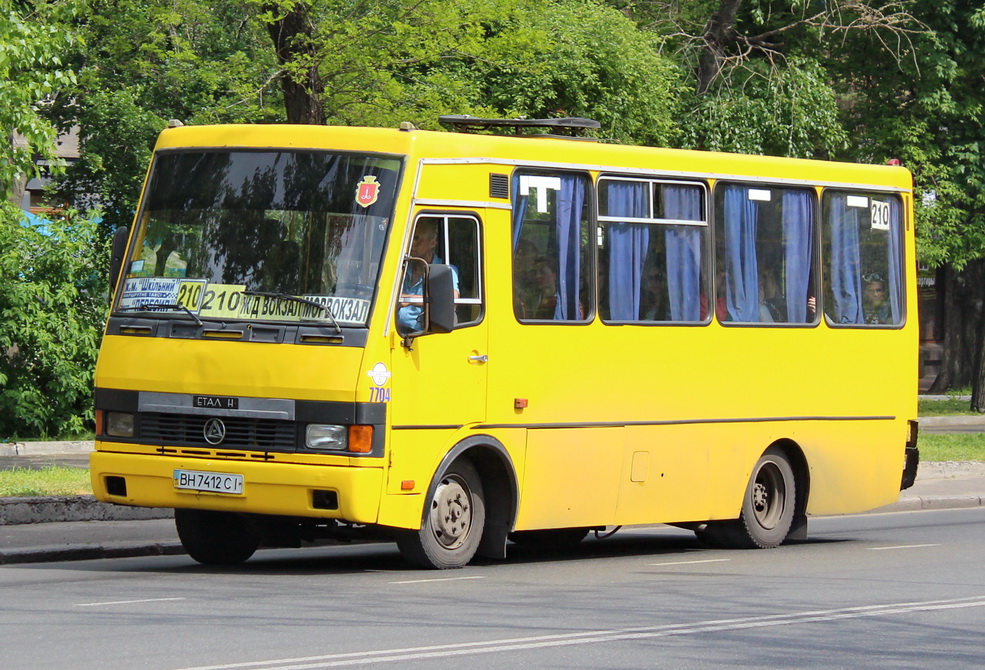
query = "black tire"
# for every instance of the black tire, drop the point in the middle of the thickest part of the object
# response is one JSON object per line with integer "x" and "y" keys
{"x": 453, "y": 522}
{"x": 216, "y": 538}
{"x": 767, "y": 508}
{"x": 556, "y": 538}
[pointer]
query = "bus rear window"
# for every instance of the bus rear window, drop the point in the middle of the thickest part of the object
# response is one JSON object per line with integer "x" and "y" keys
{"x": 863, "y": 241}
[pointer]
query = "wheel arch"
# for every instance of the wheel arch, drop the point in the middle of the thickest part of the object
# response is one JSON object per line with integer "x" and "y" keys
{"x": 500, "y": 487}
{"x": 802, "y": 481}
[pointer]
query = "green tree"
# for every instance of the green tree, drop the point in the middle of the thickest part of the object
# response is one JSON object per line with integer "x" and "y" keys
{"x": 148, "y": 61}
{"x": 52, "y": 304}
{"x": 32, "y": 41}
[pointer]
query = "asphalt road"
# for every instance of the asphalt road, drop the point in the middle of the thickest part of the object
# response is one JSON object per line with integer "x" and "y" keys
{"x": 903, "y": 590}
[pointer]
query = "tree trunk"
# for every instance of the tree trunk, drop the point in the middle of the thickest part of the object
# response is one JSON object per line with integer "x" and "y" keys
{"x": 718, "y": 35}
{"x": 293, "y": 37}
{"x": 945, "y": 286}
{"x": 964, "y": 293}
{"x": 978, "y": 379}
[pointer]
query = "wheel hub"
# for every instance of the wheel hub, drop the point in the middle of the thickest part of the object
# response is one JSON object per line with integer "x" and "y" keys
{"x": 768, "y": 496}
{"x": 451, "y": 512}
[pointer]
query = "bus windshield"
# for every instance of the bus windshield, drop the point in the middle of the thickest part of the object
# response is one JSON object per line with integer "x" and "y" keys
{"x": 261, "y": 235}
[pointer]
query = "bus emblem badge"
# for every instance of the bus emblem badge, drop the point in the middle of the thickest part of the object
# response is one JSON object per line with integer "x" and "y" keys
{"x": 368, "y": 191}
{"x": 215, "y": 431}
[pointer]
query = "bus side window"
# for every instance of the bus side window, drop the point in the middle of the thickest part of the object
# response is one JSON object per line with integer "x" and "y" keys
{"x": 764, "y": 263}
{"x": 552, "y": 254}
{"x": 653, "y": 236}
{"x": 863, "y": 244}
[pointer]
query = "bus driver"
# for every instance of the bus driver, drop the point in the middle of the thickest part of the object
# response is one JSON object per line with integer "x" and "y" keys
{"x": 410, "y": 316}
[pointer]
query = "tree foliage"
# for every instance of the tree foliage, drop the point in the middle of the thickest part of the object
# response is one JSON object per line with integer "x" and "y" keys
{"x": 52, "y": 302}
{"x": 32, "y": 43}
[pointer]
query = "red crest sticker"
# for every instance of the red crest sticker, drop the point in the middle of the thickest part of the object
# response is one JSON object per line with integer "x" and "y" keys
{"x": 367, "y": 191}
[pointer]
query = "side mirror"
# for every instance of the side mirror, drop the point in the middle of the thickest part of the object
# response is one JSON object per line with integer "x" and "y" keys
{"x": 119, "y": 251}
{"x": 439, "y": 299}
{"x": 434, "y": 311}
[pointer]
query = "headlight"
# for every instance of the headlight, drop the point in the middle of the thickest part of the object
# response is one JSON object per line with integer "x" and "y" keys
{"x": 326, "y": 437}
{"x": 119, "y": 424}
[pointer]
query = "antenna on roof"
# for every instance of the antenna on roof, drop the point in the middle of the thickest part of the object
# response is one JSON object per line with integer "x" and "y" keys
{"x": 566, "y": 127}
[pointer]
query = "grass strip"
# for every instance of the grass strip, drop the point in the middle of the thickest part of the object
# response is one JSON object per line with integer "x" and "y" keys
{"x": 951, "y": 447}
{"x": 945, "y": 407}
{"x": 50, "y": 480}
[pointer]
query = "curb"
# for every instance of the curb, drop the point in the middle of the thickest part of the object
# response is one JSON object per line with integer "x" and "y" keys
{"x": 913, "y": 503}
{"x": 46, "y": 448}
{"x": 15, "y": 511}
{"x": 88, "y": 552}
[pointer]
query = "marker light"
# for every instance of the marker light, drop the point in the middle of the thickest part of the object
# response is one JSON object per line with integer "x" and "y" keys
{"x": 325, "y": 437}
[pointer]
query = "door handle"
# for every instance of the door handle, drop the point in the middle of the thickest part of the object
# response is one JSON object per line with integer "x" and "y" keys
{"x": 479, "y": 359}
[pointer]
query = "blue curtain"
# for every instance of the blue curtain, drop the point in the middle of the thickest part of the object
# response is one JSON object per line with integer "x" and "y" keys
{"x": 895, "y": 253}
{"x": 741, "y": 269}
{"x": 683, "y": 248}
{"x": 567, "y": 218}
{"x": 627, "y": 248}
{"x": 846, "y": 276}
{"x": 798, "y": 242}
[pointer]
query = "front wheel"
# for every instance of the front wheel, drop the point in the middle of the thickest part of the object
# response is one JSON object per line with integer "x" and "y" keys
{"x": 216, "y": 538}
{"x": 453, "y": 523}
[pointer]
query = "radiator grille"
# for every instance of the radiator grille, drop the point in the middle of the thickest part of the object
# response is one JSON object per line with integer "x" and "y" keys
{"x": 241, "y": 433}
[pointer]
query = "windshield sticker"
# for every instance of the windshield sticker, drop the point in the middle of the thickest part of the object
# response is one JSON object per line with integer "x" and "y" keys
{"x": 367, "y": 191}
{"x": 139, "y": 291}
{"x": 190, "y": 293}
{"x": 352, "y": 310}
{"x": 235, "y": 302}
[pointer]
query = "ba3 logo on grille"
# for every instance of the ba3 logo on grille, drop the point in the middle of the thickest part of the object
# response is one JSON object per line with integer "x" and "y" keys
{"x": 214, "y": 431}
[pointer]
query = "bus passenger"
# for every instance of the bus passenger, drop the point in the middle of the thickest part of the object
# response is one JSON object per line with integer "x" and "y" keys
{"x": 410, "y": 316}
{"x": 875, "y": 306}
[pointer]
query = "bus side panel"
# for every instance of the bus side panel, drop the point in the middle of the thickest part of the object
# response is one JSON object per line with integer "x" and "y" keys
{"x": 571, "y": 478}
{"x": 849, "y": 470}
{"x": 665, "y": 475}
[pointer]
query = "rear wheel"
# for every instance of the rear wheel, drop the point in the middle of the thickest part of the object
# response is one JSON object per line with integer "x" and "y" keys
{"x": 216, "y": 538}
{"x": 453, "y": 524}
{"x": 767, "y": 508}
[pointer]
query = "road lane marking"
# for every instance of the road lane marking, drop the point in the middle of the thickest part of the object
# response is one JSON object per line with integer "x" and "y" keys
{"x": 903, "y": 546}
{"x": 437, "y": 579}
{"x": 597, "y": 636}
{"x": 126, "y": 602}
{"x": 707, "y": 560}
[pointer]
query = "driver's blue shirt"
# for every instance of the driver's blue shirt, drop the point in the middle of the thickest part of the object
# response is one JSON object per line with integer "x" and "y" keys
{"x": 410, "y": 318}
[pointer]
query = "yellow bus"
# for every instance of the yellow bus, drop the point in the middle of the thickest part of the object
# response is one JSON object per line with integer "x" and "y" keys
{"x": 458, "y": 340}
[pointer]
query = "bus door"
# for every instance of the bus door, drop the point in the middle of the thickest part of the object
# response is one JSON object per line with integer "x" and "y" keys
{"x": 439, "y": 382}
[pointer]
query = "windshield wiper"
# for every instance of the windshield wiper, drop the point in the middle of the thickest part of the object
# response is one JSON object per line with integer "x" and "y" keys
{"x": 298, "y": 299}
{"x": 153, "y": 306}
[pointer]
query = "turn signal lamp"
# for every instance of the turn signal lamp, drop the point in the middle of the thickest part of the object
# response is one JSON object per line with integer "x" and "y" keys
{"x": 360, "y": 439}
